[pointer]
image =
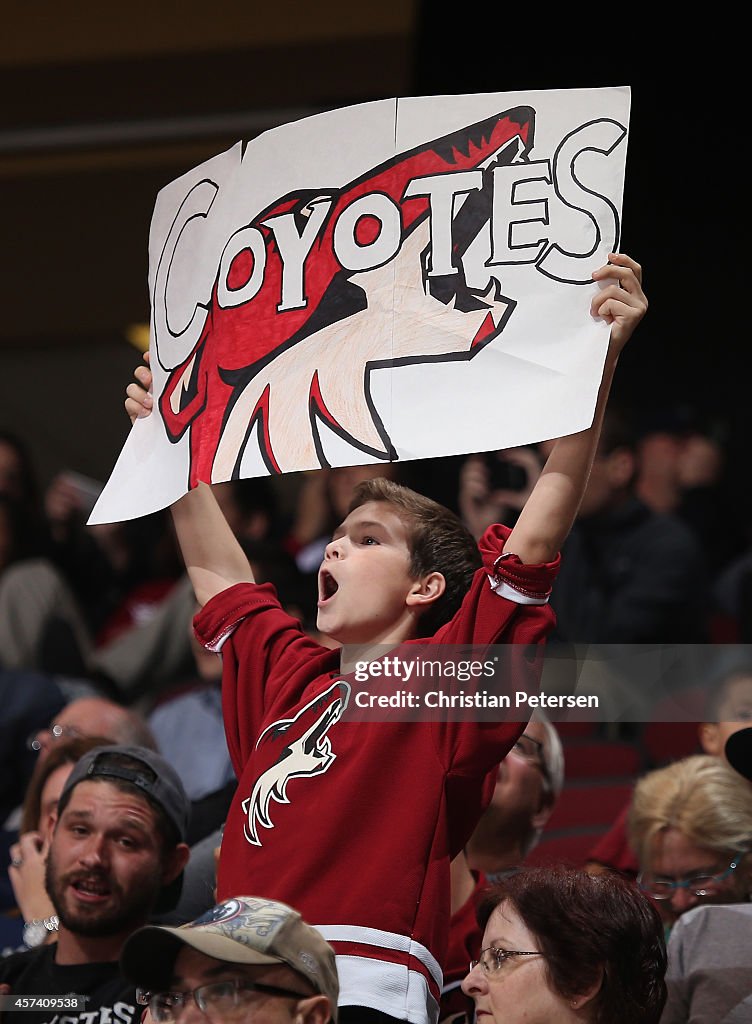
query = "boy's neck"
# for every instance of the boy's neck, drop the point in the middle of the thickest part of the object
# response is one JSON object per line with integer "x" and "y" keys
{"x": 371, "y": 650}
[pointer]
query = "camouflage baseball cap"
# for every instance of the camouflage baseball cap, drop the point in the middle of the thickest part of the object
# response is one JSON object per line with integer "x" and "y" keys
{"x": 241, "y": 930}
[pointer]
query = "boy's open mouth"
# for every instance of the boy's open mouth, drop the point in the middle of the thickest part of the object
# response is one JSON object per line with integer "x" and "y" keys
{"x": 328, "y": 586}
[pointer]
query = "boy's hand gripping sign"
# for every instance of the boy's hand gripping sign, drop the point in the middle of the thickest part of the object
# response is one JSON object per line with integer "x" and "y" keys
{"x": 396, "y": 280}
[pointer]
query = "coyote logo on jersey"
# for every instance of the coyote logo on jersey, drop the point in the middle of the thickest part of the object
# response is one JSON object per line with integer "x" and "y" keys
{"x": 304, "y": 750}
{"x": 281, "y": 366}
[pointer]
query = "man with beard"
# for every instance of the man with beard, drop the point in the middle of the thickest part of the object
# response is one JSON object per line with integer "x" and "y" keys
{"x": 116, "y": 857}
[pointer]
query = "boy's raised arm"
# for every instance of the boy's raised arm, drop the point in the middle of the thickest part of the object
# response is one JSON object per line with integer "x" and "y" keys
{"x": 212, "y": 554}
{"x": 550, "y": 511}
{"x": 211, "y": 551}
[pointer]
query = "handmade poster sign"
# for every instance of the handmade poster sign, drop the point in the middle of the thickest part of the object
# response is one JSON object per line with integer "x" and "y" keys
{"x": 396, "y": 280}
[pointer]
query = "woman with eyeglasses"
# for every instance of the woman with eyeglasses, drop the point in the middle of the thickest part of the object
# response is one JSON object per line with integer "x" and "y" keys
{"x": 690, "y": 825}
{"x": 709, "y": 975}
{"x": 562, "y": 945}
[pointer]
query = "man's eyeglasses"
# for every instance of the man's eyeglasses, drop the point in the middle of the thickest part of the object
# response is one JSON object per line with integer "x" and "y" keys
{"x": 530, "y": 749}
{"x": 703, "y": 884}
{"x": 56, "y": 732}
{"x": 492, "y": 959}
{"x": 219, "y": 1001}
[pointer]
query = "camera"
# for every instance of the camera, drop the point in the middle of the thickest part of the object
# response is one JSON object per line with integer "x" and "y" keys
{"x": 503, "y": 475}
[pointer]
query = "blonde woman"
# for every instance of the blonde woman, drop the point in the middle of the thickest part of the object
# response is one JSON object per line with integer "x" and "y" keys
{"x": 690, "y": 825}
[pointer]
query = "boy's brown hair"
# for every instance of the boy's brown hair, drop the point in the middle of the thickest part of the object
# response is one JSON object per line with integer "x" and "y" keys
{"x": 438, "y": 542}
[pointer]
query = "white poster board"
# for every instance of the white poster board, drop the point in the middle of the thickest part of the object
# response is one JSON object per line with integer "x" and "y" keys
{"x": 394, "y": 280}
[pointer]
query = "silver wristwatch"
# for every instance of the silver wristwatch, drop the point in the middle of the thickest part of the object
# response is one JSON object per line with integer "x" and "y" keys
{"x": 36, "y": 931}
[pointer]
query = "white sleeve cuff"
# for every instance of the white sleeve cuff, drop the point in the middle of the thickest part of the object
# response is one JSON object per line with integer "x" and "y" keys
{"x": 503, "y": 589}
{"x": 216, "y": 644}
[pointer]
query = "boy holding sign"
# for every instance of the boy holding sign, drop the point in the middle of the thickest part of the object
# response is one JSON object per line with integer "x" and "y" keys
{"x": 355, "y": 824}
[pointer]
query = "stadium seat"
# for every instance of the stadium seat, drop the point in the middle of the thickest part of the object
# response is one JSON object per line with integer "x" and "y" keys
{"x": 598, "y": 759}
{"x": 588, "y": 806}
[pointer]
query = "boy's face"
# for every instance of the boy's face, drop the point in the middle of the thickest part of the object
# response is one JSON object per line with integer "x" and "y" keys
{"x": 364, "y": 580}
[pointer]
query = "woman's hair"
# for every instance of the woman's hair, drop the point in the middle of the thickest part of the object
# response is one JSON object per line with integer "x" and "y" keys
{"x": 701, "y": 797}
{"x": 62, "y": 752}
{"x": 592, "y": 929}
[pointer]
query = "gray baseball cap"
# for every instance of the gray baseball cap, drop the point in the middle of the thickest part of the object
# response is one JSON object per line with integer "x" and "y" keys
{"x": 153, "y": 776}
{"x": 241, "y": 930}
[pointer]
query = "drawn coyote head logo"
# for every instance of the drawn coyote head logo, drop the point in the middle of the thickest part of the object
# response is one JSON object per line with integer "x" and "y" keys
{"x": 304, "y": 749}
{"x": 283, "y": 373}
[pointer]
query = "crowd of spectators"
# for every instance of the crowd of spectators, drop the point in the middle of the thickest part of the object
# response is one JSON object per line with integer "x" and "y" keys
{"x": 97, "y": 647}
{"x": 659, "y": 553}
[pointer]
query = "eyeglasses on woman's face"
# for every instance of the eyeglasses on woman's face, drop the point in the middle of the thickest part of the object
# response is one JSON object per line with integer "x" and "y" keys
{"x": 529, "y": 748}
{"x": 492, "y": 959}
{"x": 704, "y": 883}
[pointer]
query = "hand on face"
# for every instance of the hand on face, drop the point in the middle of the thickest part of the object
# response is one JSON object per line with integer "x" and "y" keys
{"x": 26, "y": 873}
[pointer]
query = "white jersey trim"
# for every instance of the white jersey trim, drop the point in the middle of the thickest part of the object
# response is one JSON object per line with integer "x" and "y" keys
{"x": 391, "y": 988}
{"x": 216, "y": 645}
{"x": 450, "y": 987}
{"x": 503, "y": 589}
{"x": 387, "y": 940}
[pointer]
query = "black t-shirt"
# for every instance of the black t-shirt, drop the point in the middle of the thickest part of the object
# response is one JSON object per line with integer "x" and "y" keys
{"x": 109, "y": 997}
